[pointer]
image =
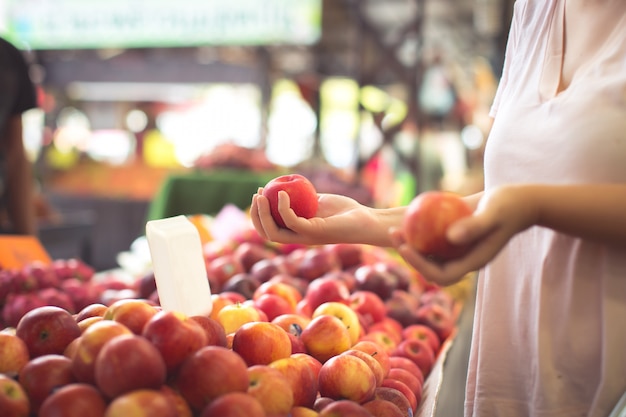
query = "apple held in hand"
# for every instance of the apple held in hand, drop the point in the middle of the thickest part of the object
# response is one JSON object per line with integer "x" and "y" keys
{"x": 426, "y": 220}
{"x": 302, "y": 196}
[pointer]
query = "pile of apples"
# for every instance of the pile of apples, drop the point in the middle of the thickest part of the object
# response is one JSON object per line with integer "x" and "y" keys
{"x": 332, "y": 330}
{"x": 66, "y": 283}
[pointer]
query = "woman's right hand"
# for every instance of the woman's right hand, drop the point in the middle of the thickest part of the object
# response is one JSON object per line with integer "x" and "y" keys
{"x": 338, "y": 219}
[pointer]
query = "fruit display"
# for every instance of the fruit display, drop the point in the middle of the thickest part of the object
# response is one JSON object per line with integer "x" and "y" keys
{"x": 295, "y": 330}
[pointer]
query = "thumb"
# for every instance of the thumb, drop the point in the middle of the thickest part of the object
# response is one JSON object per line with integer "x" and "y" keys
{"x": 466, "y": 230}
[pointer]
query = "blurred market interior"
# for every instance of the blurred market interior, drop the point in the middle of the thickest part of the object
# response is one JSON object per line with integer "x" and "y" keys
{"x": 154, "y": 108}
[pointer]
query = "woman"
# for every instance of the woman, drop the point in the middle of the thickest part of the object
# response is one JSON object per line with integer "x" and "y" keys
{"x": 548, "y": 232}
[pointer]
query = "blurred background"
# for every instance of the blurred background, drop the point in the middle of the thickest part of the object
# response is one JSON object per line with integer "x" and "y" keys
{"x": 153, "y": 108}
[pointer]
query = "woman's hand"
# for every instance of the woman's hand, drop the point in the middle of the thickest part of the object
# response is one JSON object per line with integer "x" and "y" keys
{"x": 501, "y": 213}
{"x": 338, "y": 219}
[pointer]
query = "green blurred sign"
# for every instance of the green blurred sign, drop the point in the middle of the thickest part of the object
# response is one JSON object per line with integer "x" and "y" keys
{"x": 77, "y": 24}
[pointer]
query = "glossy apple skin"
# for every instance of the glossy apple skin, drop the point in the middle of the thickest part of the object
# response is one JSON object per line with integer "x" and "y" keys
{"x": 396, "y": 397}
{"x": 234, "y": 404}
{"x": 404, "y": 389}
{"x": 13, "y": 353}
{"x": 47, "y": 330}
{"x": 175, "y": 336}
{"x": 302, "y": 378}
{"x": 142, "y": 403}
{"x": 419, "y": 351}
{"x": 326, "y": 336}
{"x": 345, "y": 408}
{"x": 13, "y": 399}
{"x": 271, "y": 388}
{"x": 74, "y": 400}
{"x": 302, "y": 196}
{"x": 380, "y": 407}
{"x": 42, "y": 375}
{"x": 210, "y": 372}
{"x": 260, "y": 343}
{"x": 90, "y": 344}
{"x": 132, "y": 313}
{"x": 426, "y": 220}
{"x": 347, "y": 377}
{"x": 126, "y": 363}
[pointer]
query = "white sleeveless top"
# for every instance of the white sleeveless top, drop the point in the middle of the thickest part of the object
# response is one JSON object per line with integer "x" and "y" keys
{"x": 550, "y": 326}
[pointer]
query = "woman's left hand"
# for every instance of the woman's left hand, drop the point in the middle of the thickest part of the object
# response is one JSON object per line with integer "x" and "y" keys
{"x": 501, "y": 213}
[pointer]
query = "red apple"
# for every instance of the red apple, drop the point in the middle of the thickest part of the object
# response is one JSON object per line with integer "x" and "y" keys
{"x": 260, "y": 343}
{"x": 423, "y": 332}
{"x": 408, "y": 365}
{"x": 418, "y": 351}
{"x": 376, "y": 278}
{"x": 273, "y": 305}
{"x": 345, "y": 408}
{"x": 373, "y": 364}
{"x": 13, "y": 353}
{"x": 214, "y": 331}
{"x": 209, "y": 373}
{"x": 317, "y": 262}
{"x": 382, "y": 339}
{"x": 292, "y": 323}
{"x": 427, "y": 219}
{"x": 437, "y": 318}
{"x": 221, "y": 269}
{"x": 344, "y": 313}
{"x": 234, "y": 404}
{"x": 380, "y": 407}
{"x": 310, "y": 362}
{"x": 74, "y": 400}
{"x": 326, "y": 336}
{"x": 90, "y": 344}
{"x": 265, "y": 269}
{"x": 297, "y": 345}
{"x": 301, "y": 192}
{"x": 404, "y": 389}
{"x": 288, "y": 292}
{"x": 390, "y": 325}
{"x": 410, "y": 380}
{"x": 242, "y": 283}
{"x": 396, "y": 397}
{"x": 375, "y": 351}
{"x": 142, "y": 403}
{"x": 47, "y": 330}
{"x": 126, "y": 363}
{"x": 301, "y": 377}
{"x": 132, "y": 313}
{"x": 348, "y": 254}
{"x": 182, "y": 408}
{"x": 13, "y": 399}
{"x": 322, "y": 290}
{"x": 347, "y": 377}
{"x": 271, "y": 388}
{"x": 86, "y": 323}
{"x": 303, "y": 412}
{"x": 248, "y": 253}
{"x": 369, "y": 305}
{"x": 42, "y": 375}
{"x": 175, "y": 336}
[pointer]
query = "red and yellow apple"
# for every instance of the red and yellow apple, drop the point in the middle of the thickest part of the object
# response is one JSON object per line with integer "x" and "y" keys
{"x": 175, "y": 335}
{"x": 126, "y": 363}
{"x": 426, "y": 222}
{"x": 347, "y": 377}
{"x": 260, "y": 343}
{"x": 271, "y": 388}
{"x": 47, "y": 330}
{"x": 301, "y": 192}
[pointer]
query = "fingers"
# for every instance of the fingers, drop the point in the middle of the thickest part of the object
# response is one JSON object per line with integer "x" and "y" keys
{"x": 255, "y": 215}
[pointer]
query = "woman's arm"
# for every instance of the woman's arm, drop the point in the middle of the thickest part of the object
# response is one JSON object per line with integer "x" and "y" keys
{"x": 589, "y": 211}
